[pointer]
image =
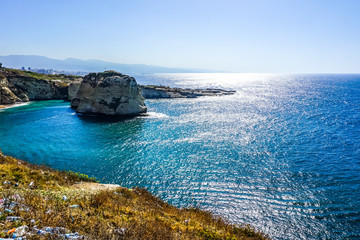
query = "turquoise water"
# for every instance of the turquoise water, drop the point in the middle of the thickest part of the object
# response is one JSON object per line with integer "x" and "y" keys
{"x": 282, "y": 154}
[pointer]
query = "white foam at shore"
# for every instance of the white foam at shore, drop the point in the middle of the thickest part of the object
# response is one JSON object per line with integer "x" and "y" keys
{"x": 154, "y": 115}
{"x": 7, "y": 106}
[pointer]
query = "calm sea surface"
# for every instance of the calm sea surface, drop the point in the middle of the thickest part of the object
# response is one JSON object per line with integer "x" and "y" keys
{"x": 282, "y": 154}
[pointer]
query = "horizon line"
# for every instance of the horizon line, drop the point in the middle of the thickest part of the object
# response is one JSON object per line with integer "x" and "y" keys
{"x": 185, "y": 68}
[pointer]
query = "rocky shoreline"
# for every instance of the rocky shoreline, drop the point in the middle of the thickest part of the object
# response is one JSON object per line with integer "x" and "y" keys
{"x": 156, "y": 92}
{"x": 22, "y": 86}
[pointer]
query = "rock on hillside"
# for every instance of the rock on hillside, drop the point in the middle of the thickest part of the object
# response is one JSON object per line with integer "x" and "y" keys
{"x": 109, "y": 93}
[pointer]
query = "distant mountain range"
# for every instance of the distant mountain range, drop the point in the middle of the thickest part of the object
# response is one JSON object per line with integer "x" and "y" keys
{"x": 72, "y": 64}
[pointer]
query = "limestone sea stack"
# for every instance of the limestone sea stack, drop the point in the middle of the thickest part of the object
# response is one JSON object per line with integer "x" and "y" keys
{"x": 109, "y": 93}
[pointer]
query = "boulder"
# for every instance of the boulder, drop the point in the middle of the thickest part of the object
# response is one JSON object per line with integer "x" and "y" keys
{"x": 109, "y": 93}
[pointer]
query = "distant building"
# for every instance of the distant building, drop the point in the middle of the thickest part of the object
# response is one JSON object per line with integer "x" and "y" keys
{"x": 54, "y": 72}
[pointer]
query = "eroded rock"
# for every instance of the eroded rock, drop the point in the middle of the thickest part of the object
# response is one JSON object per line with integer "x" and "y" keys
{"x": 7, "y": 96}
{"x": 22, "y": 86}
{"x": 109, "y": 93}
{"x": 72, "y": 90}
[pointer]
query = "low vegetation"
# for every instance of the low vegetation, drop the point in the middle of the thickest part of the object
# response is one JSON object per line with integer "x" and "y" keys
{"x": 40, "y": 76}
{"x": 48, "y": 198}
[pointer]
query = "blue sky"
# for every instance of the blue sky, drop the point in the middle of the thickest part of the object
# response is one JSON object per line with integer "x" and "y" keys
{"x": 279, "y": 36}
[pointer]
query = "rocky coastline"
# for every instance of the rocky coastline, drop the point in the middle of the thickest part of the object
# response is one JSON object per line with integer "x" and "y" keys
{"x": 108, "y": 93}
{"x": 156, "y": 92}
{"x": 22, "y": 86}
{"x": 37, "y": 202}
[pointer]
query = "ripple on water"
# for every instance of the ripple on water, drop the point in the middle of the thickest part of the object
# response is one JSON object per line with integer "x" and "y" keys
{"x": 282, "y": 154}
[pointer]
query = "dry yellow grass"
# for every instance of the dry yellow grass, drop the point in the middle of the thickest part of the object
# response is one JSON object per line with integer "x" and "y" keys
{"x": 101, "y": 211}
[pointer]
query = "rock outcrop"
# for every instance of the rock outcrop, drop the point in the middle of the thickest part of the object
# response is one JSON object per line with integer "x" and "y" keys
{"x": 22, "y": 86}
{"x": 73, "y": 89}
{"x": 153, "y": 91}
{"x": 109, "y": 93}
{"x": 6, "y": 95}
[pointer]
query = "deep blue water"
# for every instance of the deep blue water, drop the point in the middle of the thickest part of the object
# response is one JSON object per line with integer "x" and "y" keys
{"x": 282, "y": 154}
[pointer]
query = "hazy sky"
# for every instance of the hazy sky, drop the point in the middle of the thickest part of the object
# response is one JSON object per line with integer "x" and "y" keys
{"x": 295, "y": 36}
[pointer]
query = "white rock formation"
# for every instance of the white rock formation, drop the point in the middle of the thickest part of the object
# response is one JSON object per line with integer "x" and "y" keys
{"x": 109, "y": 93}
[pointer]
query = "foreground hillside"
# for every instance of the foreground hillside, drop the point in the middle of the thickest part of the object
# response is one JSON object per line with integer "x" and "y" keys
{"x": 40, "y": 203}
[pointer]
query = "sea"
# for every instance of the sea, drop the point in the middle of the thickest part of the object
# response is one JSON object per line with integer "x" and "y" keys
{"x": 281, "y": 155}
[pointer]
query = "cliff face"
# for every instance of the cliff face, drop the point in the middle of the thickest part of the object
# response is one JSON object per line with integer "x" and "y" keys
{"x": 21, "y": 86}
{"x": 6, "y": 95}
{"x": 108, "y": 93}
{"x": 72, "y": 90}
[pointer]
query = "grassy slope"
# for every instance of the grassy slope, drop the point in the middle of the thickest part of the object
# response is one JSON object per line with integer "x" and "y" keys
{"x": 104, "y": 214}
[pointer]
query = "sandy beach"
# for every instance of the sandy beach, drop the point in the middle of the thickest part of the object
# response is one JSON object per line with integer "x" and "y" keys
{"x": 4, "y": 106}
